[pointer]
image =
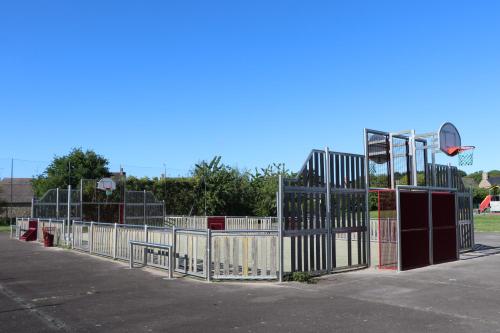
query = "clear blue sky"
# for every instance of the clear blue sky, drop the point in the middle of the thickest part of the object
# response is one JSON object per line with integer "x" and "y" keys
{"x": 152, "y": 82}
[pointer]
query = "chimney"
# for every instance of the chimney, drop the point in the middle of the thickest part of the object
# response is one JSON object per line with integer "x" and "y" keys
{"x": 485, "y": 175}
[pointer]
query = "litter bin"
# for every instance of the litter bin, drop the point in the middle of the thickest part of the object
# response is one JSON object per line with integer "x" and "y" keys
{"x": 48, "y": 236}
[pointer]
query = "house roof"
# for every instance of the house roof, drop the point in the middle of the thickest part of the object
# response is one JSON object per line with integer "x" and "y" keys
{"x": 494, "y": 180}
{"x": 469, "y": 182}
{"x": 22, "y": 190}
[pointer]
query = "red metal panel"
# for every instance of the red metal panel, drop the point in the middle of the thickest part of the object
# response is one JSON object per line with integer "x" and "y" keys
{"x": 216, "y": 222}
{"x": 414, "y": 219}
{"x": 444, "y": 228}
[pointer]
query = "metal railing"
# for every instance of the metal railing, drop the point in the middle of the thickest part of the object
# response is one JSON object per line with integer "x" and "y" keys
{"x": 224, "y": 254}
{"x": 161, "y": 258}
{"x": 231, "y": 222}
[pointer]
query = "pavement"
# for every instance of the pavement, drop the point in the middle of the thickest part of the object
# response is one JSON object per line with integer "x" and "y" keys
{"x": 53, "y": 289}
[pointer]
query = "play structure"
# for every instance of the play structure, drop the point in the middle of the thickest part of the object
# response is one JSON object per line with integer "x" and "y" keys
{"x": 388, "y": 208}
{"x": 423, "y": 213}
{"x": 492, "y": 202}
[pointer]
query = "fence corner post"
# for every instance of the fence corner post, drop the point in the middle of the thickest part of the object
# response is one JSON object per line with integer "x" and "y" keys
{"x": 209, "y": 255}
{"x": 91, "y": 236}
{"x": 115, "y": 241}
{"x": 280, "y": 226}
{"x": 173, "y": 249}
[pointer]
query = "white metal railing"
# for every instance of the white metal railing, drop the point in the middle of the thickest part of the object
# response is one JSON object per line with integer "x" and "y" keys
{"x": 231, "y": 222}
{"x": 157, "y": 255}
{"x": 232, "y": 254}
{"x": 244, "y": 254}
{"x": 251, "y": 223}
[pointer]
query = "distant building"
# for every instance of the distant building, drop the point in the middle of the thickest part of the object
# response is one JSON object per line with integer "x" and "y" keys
{"x": 15, "y": 197}
{"x": 487, "y": 181}
{"x": 469, "y": 182}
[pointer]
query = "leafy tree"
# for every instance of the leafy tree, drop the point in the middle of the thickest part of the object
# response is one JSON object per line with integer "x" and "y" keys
{"x": 69, "y": 169}
{"x": 264, "y": 185}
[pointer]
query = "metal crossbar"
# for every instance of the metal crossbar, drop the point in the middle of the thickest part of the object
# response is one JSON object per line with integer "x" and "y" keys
{"x": 148, "y": 246}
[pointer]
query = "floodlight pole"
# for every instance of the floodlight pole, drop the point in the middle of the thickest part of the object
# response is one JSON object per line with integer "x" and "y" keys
{"x": 69, "y": 214}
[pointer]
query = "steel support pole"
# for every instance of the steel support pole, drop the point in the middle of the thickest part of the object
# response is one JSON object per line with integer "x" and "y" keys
{"x": 115, "y": 240}
{"x": 57, "y": 202}
{"x": 457, "y": 231}
{"x": 279, "y": 206}
{"x": 413, "y": 150}
{"x": 328, "y": 213}
{"x": 144, "y": 191}
{"x": 430, "y": 223}
{"x": 471, "y": 212}
{"x": 66, "y": 237}
{"x": 208, "y": 264}
{"x": 398, "y": 228}
{"x": 391, "y": 161}
{"x": 367, "y": 206}
{"x": 174, "y": 247}
{"x": 91, "y": 236}
{"x": 81, "y": 199}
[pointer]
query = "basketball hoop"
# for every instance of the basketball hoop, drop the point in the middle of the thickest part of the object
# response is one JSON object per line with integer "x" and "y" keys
{"x": 106, "y": 184}
{"x": 465, "y": 154}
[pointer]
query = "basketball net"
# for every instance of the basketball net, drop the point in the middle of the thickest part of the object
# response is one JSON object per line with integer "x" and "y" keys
{"x": 465, "y": 154}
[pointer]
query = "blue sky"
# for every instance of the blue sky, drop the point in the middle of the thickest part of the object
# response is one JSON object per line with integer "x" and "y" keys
{"x": 175, "y": 82}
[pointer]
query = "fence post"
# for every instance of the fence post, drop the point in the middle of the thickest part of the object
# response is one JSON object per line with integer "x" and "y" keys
{"x": 471, "y": 212}
{"x": 73, "y": 235}
{"x": 328, "y": 213}
{"x": 146, "y": 233}
{"x": 91, "y": 236}
{"x": 174, "y": 246}
{"x": 57, "y": 203}
{"x": 208, "y": 264}
{"x": 115, "y": 241}
{"x": 68, "y": 216}
{"x": 280, "y": 225}
{"x": 144, "y": 191}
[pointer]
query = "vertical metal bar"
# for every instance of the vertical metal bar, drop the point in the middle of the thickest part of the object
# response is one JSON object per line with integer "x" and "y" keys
{"x": 32, "y": 212}
{"x": 146, "y": 233}
{"x": 125, "y": 203}
{"x": 208, "y": 264}
{"x": 430, "y": 223}
{"x": 279, "y": 205}
{"x": 73, "y": 235}
{"x": 328, "y": 213}
{"x": 367, "y": 206}
{"x": 57, "y": 202}
{"x": 91, "y": 236}
{"x": 170, "y": 263}
{"x": 144, "y": 191}
{"x": 131, "y": 255}
{"x": 391, "y": 161}
{"x": 433, "y": 167}
{"x": 115, "y": 242}
{"x": 81, "y": 199}
{"x": 398, "y": 227}
{"x": 471, "y": 212}
{"x": 457, "y": 226}
{"x": 174, "y": 247}
{"x": 413, "y": 148}
{"x": 66, "y": 237}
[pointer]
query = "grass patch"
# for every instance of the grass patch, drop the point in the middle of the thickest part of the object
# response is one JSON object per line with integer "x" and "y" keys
{"x": 487, "y": 223}
{"x": 4, "y": 228}
{"x": 303, "y": 277}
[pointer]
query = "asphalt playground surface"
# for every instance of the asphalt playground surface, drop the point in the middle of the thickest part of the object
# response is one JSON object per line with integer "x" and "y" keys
{"x": 46, "y": 290}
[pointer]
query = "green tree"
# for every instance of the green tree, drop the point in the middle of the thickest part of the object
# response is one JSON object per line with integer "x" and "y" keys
{"x": 264, "y": 185}
{"x": 69, "y": 169}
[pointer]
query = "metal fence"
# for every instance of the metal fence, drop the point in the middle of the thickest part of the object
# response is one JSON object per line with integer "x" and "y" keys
{"x": 137, "y": 207}
{"x": 231, "y": 222}
{"x": 221, "y": 255}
